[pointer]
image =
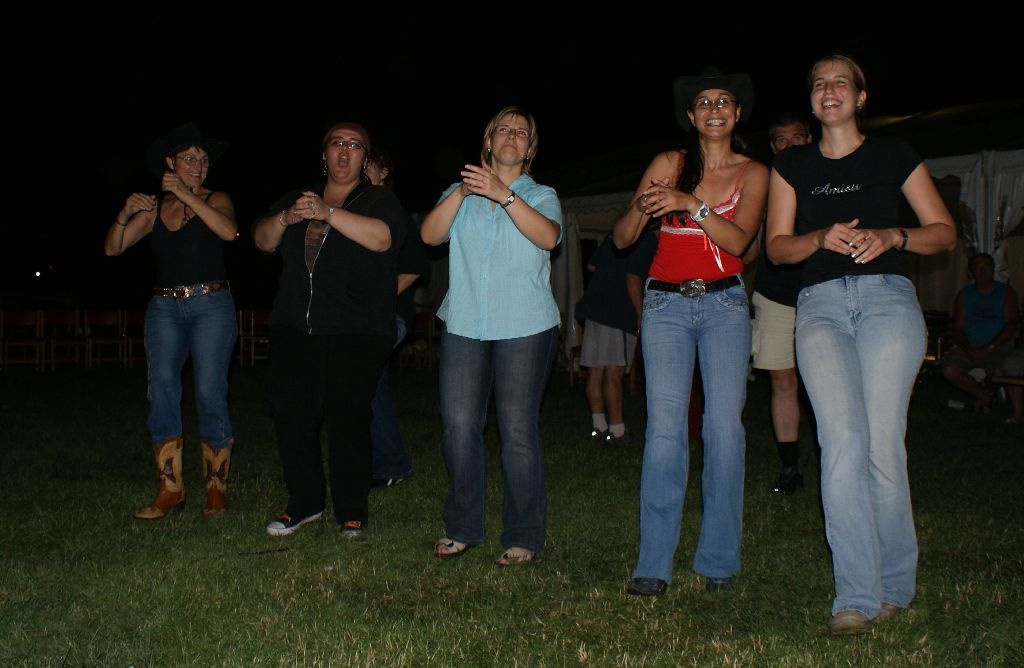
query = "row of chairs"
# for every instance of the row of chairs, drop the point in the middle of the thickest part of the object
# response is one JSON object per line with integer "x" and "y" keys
{"x": 68, "y": 336}
{"x": 45, "y": 339}
{"x": 418, "y": 352}
{"x": 48, "y": 338}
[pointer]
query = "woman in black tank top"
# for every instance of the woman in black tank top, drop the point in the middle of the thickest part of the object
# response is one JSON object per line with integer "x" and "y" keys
{"x": 191, "y": 312}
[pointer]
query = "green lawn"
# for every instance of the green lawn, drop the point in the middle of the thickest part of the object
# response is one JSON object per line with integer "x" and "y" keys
{"x": 82, "y": 583}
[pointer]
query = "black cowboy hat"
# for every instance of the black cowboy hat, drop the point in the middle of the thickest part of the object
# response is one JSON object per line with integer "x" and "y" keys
{"x": 686, "y": 89}
{"x": 185, "y": 135}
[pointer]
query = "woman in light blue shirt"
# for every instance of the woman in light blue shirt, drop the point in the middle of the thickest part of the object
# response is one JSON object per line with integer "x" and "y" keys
{"x": 500, "y": 334}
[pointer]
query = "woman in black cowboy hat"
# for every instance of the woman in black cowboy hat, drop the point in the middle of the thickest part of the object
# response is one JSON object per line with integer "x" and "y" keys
{"x": 710, "y": 199}
{"x": 191, "y": 312}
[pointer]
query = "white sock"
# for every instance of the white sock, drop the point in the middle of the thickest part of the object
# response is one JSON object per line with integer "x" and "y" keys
{"x": 618, "y": 430}
{"x": 600, "y": 422}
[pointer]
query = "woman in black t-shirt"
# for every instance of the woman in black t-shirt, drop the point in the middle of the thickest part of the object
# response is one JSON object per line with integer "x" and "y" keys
{"x": 860, "y": 335}
{"x": 331, "y": 329}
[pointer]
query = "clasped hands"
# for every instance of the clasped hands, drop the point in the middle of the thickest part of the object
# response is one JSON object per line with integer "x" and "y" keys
{"x": 309, "y": 206}
{"x": 477, "y": 180}
{"x": 660, "y": 198}
{"x": 862, "y": 245}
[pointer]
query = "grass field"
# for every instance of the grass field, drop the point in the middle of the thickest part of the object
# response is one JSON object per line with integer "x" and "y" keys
{"x": 83, "y": 584}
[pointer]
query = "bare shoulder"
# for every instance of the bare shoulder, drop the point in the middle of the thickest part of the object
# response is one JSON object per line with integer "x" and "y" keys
{"x": 666, "y": 165}
{"x": 673, "y": 159}
{"x": 755, "y": 174}
{"x": 219, "y": 197}
{"x": 756, "y": 169}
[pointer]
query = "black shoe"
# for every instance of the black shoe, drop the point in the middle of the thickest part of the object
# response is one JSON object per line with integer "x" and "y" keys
{"x": 646, "y": 587}
{"x": 789, "y": 481}
{"x": 597, "y": 436}
{"x": 719, "y": 584}
{"x": 389, "y": 482}
{"x": 611, "y": 439}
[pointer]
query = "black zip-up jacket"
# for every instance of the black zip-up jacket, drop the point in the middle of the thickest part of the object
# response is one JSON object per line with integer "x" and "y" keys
{"x": 351, "y": 288}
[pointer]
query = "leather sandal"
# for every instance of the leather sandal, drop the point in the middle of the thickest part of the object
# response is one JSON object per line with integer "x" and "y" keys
{"x": 446, "y": 548}
{"x": 515, "y": 555}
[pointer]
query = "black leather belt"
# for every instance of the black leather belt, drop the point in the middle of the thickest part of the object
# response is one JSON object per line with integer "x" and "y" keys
{"x": 694, "y": 287}
{"x": 186, "y": 291}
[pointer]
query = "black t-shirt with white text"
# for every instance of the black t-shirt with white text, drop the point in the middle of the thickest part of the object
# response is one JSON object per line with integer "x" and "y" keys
{"x": 866, "y": 185}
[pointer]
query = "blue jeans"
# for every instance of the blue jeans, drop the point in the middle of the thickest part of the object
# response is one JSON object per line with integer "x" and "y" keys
{"x": 389, "y": 457}
{"x": 517, "y": 371}
{"x": 206, "y": 328}
{"x": 860, "y": 341}
{"x": 715, "y": 327}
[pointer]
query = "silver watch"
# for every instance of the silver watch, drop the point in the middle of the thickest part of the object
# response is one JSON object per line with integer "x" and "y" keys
{"x": 703, "y": 212}
{"x": 511, "y": 198}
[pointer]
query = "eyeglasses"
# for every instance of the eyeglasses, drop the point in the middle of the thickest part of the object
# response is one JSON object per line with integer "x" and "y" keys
{"x": 192, "y": 160}
{"x": 350, "y": 144}
{"x": 505, "y": 131}
{"x": 704, "y": 103}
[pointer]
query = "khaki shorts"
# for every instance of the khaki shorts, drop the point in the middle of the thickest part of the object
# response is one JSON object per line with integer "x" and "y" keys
{"x": 772, "y": 334}
{"x": 1004, "y": 358}
{"x": 606, "y": 346}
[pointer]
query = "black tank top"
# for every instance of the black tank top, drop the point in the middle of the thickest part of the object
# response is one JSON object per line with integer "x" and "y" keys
{"x": 193, "y": 254}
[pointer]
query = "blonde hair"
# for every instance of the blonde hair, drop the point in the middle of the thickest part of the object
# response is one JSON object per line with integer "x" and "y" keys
{"x": 531, "y": 149}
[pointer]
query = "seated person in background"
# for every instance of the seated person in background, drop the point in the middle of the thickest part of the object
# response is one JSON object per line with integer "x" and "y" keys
{"x": 986, "y": 319}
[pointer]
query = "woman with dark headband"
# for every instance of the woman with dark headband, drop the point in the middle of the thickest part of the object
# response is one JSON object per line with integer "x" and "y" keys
{"x": 331, "y": 328}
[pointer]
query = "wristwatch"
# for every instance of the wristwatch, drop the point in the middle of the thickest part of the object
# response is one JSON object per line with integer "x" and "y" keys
{"x": 511, "y": 198}
{"x": 703, "y": 212}
{"x": 904, "y": 239}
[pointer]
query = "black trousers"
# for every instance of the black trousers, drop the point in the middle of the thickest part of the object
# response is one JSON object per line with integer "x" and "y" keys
{"x": 327, "y": 380}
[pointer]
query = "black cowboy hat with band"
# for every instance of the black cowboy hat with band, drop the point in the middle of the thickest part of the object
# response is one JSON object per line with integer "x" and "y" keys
{"x": 687, "y": 87}
{"x": 179, "y": 138}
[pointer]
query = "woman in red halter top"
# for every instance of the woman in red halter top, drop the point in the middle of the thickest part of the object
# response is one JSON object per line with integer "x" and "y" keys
{"x": 710, "y": 199}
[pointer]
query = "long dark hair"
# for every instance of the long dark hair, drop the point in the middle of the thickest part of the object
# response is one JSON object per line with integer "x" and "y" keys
{"x": 692, "y": 172}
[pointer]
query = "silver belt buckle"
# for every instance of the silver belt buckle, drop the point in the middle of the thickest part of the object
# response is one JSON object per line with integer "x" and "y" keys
{"x": 695, "y": 287}
{"x": 188, "y": 291}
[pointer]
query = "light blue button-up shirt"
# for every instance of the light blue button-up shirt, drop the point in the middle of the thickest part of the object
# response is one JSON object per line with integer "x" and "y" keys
{"x": 499, "y": 282}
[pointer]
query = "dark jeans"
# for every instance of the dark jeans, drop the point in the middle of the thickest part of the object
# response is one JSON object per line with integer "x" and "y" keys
{"x": 517, "y": 371}
{"x": 389, "y": 457}
{"x": 318, "y": 379}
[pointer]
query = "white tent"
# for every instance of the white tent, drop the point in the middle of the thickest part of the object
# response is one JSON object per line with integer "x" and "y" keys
{"x": 991, "y": 210}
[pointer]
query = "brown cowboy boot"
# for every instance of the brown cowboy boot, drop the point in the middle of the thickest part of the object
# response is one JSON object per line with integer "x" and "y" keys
{"x": 171, "y": 493}
{"x": 216, "y": 464}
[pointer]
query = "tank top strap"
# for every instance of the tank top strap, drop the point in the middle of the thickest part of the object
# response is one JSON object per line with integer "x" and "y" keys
{"x": 739, "y": 176}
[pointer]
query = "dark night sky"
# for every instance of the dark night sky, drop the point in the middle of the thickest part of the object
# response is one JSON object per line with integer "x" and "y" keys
{"x": 258, "y": 83}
